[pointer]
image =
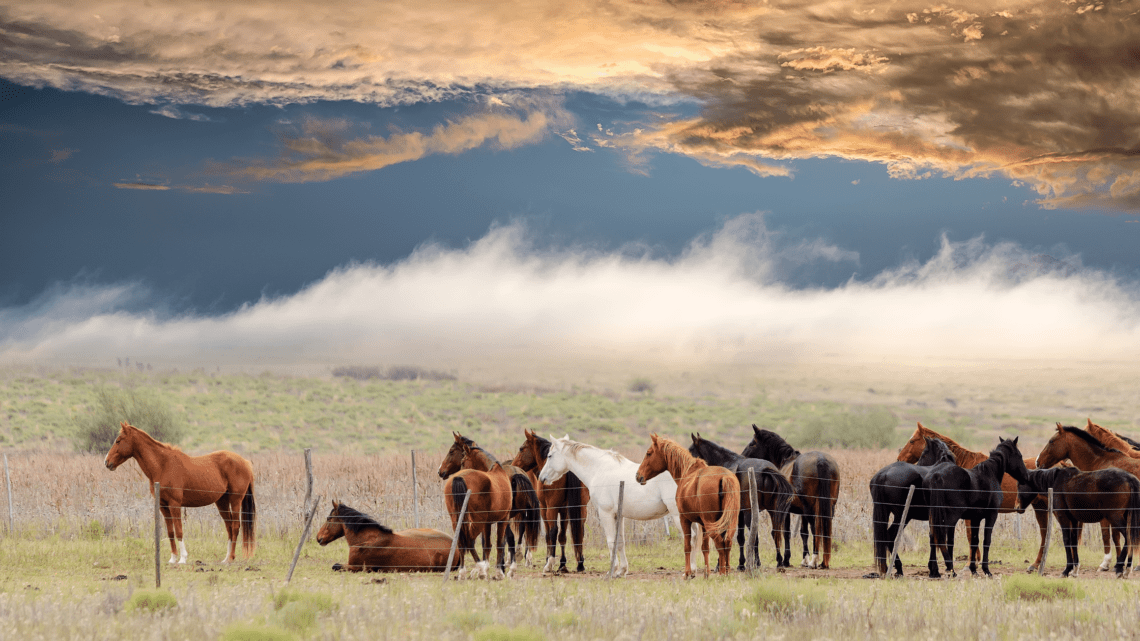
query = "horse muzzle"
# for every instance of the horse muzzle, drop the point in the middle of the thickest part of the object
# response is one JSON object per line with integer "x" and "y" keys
{"x": 640, "y": 479}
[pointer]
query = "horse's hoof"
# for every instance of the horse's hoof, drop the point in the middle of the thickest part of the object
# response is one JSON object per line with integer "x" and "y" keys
{"x": 1120, "y": 575}
{"x": 1031, "y": 570}
{"x": 581, "y": 567}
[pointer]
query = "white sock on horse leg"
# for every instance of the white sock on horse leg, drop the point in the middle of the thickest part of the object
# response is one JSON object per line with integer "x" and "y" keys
{"x": 181, "y": 551}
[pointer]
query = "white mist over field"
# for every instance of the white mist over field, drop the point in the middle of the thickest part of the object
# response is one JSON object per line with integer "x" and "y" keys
{"x": 722, "y": 300}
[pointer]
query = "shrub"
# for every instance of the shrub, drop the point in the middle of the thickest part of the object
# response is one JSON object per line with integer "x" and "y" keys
{"x": 641, "y": 385}
{"x": 1035, "y": 588}
{"x": 254, "y": 632}
{"x": 320, "y": 602}
{"x": 96, "y": 431}
{"x": 151, "y": 601}
{"x": 470, "y": 621}
{"x": 503, "y": 633}
{"x": 787, "y": 599}
{"x": 866, "y": 428}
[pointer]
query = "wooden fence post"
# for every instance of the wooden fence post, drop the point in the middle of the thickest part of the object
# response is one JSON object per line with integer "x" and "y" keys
{"x": 898, "y": 537}
{"x": 157, "y": 553}
{"x": 8, "y": 482}
{"x": 415, "y": 491}
{"x": 304, "y": 537}
{"x": 455, "y": 536}
{"x": 753, "y": 534}
{"x": 618, "y": 538}
{"x": 1048, "y": 534}
{"x": 308, "y": 481}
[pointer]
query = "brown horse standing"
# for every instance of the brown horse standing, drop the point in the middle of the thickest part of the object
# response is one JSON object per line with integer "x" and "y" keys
{"x": 1110, "y": 536}
{"x": 564, "y": 499}
{"x": 525, "y": 508}
{"x": 490, "y": 504}
{"x": 373, "y": 547}
{"x": 965, "y": 458}
{"x": 220, "y": 478}
{"x": 709, "y": 495}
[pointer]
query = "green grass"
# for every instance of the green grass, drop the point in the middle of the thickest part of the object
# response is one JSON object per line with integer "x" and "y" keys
{"x": 1036, "y": 588}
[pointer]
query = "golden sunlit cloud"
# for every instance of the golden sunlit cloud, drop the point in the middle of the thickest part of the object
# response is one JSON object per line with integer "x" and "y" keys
{"x": 1045, "y": 93}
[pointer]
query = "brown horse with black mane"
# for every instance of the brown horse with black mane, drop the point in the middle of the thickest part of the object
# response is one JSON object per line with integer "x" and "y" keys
{"x": 563, "y": 501}
{"x": 220, "y": 478}
{"x": 706, "y": 494}
{"x": 490, "y": 504}
{"x": 373, "y": 547}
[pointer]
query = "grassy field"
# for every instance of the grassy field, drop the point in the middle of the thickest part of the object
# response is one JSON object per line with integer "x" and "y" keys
{"x": 79, "y": 561}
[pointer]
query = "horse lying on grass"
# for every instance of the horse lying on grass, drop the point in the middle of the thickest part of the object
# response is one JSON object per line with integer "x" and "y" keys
{"x": 373, "y": 547}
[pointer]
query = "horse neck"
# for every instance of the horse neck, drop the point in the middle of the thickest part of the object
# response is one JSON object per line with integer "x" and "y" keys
{"x": 1086, "y": 458}
{"x": 584, "y": 463}
{"x": 962, "y": 456}
{"x": 151, "y": 456}
{"x": 1112, "y": 440}
{"x": 714, "y": 454}
{"x": 680, "y": 463}
{"x": 991, "y": 466}
{"x": 480, "y": 460}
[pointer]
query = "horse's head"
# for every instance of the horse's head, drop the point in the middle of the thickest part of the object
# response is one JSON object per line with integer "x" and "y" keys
{"x": 123, "y": 448}
{"x": 912, "y": 451}
{"x": 755, "y": 447}
{"x": 698, "y": 445}
{"x": 654, "y": 462}
{"x": 1014, "y": 461}
{"x": 453, "y": 460}
{"x": 936, "y": 451}
{"x": 527, "y": 458}
{"x": 333, "y": 528}
{"x": 557, "y": 460}
{"x": 1055, "y": 451}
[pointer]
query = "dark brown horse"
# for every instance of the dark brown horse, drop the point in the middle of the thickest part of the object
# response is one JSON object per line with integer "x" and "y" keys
{"x": 1110, "y": 537}
{"x": 815, "y": 478}
{"x": 912, "y": 450}
{"x": 373, "y": 547}
{"x": 563, "y": 503}
{"x": 525, "y": 509}
{"x": 1111, "y": 495}
{"x": 490, "y": 504}
{"x": 220, "y": 478}
{"x": 706, "y": 494}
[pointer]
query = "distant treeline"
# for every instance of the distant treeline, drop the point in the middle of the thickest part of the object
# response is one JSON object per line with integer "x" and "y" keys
{"x": 393, "y": 373}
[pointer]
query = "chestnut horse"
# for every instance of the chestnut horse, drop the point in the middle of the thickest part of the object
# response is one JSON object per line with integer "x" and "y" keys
{"x": 910, "y": 452}
{"x": 709, "y": 495}
{"x": 373, "y": 547}
{"x": 490, "y": 504}
{"x": 562, "y": 502}
{"x": 220, "y": 478}
{"x": 1109, "y": 438}
{"x": 524, "y": 499}
{"x": 815, "y": 478}
{"x": 1110, "y": 495}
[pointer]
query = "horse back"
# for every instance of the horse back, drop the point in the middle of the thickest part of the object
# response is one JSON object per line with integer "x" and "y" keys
{"x": 203, "y": 480}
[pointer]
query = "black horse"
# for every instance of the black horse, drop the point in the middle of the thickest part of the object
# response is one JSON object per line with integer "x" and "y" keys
{"x": 1089, "y": 497}
{"x": 889, "y": 487}
{"x": 815, "y": 481}
{"x": 973, "y": 494}
{"x": 773, "y": 492}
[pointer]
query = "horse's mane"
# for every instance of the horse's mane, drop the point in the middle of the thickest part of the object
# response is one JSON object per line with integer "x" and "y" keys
{"x": 938, "y": 449}
{"x": 997, "y": 457}
{"x": 778, "y": 450}
{"x": 156, "y": 442}
{"x": 720, "y": 449}
{"x": 1131, "y": 443}
{"x": 1108, "y": 438}
{"x": 576, "y": 446}
{"x": 962, "y": 456}
{"x": 674, "y": 453}
{"x": 543, "y": 446}
{"x": 355, "y": 520}
{"x": 1089, "y": 438}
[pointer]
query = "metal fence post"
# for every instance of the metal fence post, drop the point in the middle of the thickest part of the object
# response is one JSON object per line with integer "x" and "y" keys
{"x": 618, "y": 538}
{"x": 455, "y": 536}
{"x": 304, "y": 537}
{"x": 157, "y": 553}
{"x": 753, "y": 534}
{"x": 898, "y": 537}
{"x": 1048, "y": 534}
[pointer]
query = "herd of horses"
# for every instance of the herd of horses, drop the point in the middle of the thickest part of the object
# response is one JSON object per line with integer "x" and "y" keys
{"x": 1092, "y": 473}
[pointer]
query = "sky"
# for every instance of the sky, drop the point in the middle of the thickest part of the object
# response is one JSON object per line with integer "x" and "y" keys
{"x": 328, "y": 182}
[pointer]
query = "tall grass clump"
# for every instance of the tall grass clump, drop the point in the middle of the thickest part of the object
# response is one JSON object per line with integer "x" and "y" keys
{"x": 503, "y": 633}
{"x": 298, "y": 611}
{"x": 144, "y": 600}
{"x": 256, "y": 632}
{"x": 783, "y": 599}
{"x": 1036, "y": 588}
{"x": 867, "y": 428}
{"x": 95, "y": 431}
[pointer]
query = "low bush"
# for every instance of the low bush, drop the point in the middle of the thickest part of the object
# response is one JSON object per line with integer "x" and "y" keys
{"x": 872, "y": 427}
{"x": 144, "y": 600}
{"x": 255, "y": 632}
{"x": 95, "y": 431}
{"x": 786, "y": 599}
{"x": 1036, "y": 588}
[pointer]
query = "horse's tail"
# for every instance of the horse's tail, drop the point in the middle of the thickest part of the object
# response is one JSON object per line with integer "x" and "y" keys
{"x": 248, "y": 522}
{"x": 825, "y": 502}
{"x": 456, "y": 490}
{"x": 575, "y": 506}
{"x": 729, "y": 488}
{"x": 524, "y": 507}
{"x": 1133, "y": 521}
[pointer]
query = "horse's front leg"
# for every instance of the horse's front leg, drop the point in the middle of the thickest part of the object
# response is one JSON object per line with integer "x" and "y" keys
{"x": 1042, "y": 515}
{"x": 740, "y": 540}
{"x": 1068, "y": 538}
{"x": 550, "y": 520}
{"x": 988, "y": 534}
{"x": 777, "y": 532}
{"x": 1124, "y": 555}
{"x": 609, "y": 527}
{"x": 972, "y": 532}
{"x": 176, "y": 520}
{"x": 804, "y": 539}
{"x": 705, "y": 536}
{"x": 502, "y": 533}
{"x": 562, "y": 540}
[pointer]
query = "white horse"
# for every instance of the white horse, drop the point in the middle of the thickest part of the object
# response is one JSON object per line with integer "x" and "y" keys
{"x": 601, "y": 471}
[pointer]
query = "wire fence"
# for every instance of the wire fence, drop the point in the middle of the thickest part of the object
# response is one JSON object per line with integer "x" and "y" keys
{"x": 72, "y": 495}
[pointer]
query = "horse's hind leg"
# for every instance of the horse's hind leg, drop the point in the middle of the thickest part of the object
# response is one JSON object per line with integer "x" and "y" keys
{"x": 562, "y": 540}
{"x": 166, "y": 515}
{"x": 230, "y": 509}
{"x": 972, "y": 530}
{"x": 740, "y": 538}
{"x": 804, "y": 539}
{"x": 550, "y": 520}
{"x": 1108, "y": 537}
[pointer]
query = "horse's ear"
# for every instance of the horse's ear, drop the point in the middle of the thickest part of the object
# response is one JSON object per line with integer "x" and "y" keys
{"x": 566, "y": 437}
{"x": 336, "y": 504}
{"x": 920, "y": 425}
{"x": 458, "y": 437}
{"x": 755, "y": 429}
{"x": 1015, "y": 439}
{"x": 1090, "y": 421}
{"x": 696, "y": 439}
{"x": 1059, "y": 426}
